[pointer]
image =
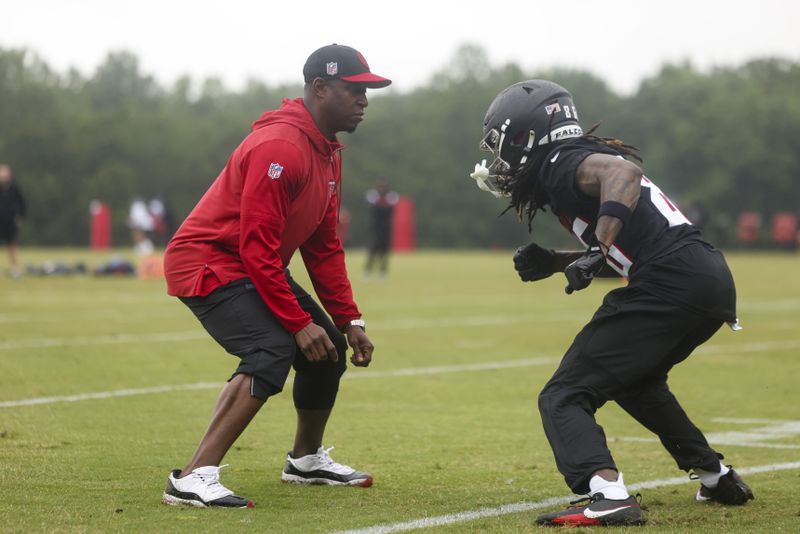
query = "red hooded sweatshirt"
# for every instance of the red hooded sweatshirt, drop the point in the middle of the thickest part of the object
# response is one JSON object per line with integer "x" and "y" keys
{"x": 277, "y": 193}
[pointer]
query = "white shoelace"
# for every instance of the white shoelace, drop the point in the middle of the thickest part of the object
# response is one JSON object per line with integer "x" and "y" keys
{"x": 328, "y": 462}
{"x": 212, "y": 484}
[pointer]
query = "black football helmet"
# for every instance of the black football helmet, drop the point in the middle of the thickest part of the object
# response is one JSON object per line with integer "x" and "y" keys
{"x": 523, "y": 117}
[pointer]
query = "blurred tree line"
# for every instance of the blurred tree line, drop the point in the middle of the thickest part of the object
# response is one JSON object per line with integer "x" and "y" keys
{"x": 717, "y": 142}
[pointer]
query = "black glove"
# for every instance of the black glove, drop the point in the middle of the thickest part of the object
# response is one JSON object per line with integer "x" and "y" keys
{"x": 533, "y": 262}
{"x": 582, "y": 271}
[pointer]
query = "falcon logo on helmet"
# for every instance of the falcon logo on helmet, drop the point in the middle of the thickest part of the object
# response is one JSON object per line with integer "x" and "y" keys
{"x": 523, "y": 117}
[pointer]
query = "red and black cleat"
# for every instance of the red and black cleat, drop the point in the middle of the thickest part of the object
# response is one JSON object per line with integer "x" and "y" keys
{"x": 597, "y": 511}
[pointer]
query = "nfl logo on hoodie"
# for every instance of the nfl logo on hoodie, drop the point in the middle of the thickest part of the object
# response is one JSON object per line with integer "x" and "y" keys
{"x": 275, "y": 171}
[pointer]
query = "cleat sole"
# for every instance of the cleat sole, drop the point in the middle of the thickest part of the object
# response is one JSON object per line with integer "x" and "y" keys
{"x": 295, "y": 479}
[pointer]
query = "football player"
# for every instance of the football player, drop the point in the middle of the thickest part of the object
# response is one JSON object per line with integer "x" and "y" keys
{"x": 679, "y": 292}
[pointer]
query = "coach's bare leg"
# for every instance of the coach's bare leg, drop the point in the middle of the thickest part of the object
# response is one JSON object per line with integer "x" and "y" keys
{"x": 234, "y": 411}
{"x": 12, "y": 258}
{"x": 310, "y": 429}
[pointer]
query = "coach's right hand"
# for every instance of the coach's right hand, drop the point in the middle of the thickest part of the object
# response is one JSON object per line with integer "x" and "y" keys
{"x": 315, "y": 344}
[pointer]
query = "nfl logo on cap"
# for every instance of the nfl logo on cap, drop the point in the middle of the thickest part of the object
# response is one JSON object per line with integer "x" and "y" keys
{"x": 275, "y": 171}
{"x": 332, "y": 68}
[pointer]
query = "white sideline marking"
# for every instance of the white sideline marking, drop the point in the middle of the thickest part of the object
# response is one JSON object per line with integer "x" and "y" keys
{"x": 461, "y": 517}
{"x": 110, "y": 394}
{"x": 399, "y": 324}
{"x": 441, "y": 369}
{"x": 750, "y": 421}
{"x": 191, "y": 335}
{"x": 751, "y": 437}
{"x": 182, "y": 336}
{"x": 748, "y": 347}
{"x": 473, "y": 320}
{"x": 768, "y": 305}
{"x": 744, "y": 305}
{"x": 412, "y": 371}
{"x": 160, "y": 337}
{"x": 716, "y": 440}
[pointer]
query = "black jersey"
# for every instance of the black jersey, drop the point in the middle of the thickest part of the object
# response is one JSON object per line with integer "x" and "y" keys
{"x": 697, "y": 279}
{"x": 12, "y": 203}
{"x": 656, "y": 227}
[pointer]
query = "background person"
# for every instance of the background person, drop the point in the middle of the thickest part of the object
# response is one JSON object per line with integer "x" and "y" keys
{"x": 280, "y": 191}
{"x": 142, "y": 225}
{"x": 163, "y": 226}
{"x": 12, "y": 210}
{"x": 680, "y": 292}
{"x": 381, "y": 202}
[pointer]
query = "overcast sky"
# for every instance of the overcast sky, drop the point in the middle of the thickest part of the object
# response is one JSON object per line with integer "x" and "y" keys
{"x": 620, "y": 41}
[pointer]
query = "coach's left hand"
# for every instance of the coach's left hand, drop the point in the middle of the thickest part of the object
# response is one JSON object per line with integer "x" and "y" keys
{"x": 362, "y": 346}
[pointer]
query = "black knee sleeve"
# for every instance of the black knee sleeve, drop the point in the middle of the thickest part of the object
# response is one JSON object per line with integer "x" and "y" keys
{"x": 317, "y": 384}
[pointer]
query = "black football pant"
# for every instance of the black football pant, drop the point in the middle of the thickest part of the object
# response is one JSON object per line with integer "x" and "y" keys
{"x": 624, "y": 355}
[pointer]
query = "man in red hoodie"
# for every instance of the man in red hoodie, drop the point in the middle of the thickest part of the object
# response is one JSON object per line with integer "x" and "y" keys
{"x": 279, "y": 192}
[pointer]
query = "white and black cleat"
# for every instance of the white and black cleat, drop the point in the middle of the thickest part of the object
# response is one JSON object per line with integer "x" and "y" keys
{"x": 319, "y": 468}
{"x": 201, "y": 488}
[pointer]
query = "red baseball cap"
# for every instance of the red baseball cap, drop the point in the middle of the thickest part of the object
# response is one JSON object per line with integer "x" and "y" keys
{"x": 340, "y": 62}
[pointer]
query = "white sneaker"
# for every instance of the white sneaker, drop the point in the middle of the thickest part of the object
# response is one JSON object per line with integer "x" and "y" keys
{"x": 320, "y": 468}
{"x": 201, "y": 488}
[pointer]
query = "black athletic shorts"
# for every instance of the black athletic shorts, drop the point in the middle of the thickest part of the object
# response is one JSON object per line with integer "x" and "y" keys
{"x": 8, "y": 230}
{"x": 238, "y": 319}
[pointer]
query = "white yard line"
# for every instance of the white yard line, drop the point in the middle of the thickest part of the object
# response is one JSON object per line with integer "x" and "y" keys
{"x": 380, "y": 325}
{"x": 412, "y": 371}
{"x": 443, "y": 369}
{"x": 110, "y": 394}
{"x": 787, "y": 344}
{"x": 717, "y": 440}
{"x": 767, "y": 305}
{"x": 192, "y": 335}
{"x": 472, "y": 515}
{"x": 745, "y": 307}
{"x": 759, "y": 435}
{"x": 475, "y": 320}
{"x": 161, "y": 337}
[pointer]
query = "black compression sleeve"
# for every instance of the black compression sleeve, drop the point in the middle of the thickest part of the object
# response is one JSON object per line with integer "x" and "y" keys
{"x": 616, "y": 209}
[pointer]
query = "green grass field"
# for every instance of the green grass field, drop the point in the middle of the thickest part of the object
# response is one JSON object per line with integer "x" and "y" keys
{"x": 445, "y": 418}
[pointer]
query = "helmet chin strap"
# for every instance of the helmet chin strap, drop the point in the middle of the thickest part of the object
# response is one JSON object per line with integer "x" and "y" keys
{"x": 528, "y": 147}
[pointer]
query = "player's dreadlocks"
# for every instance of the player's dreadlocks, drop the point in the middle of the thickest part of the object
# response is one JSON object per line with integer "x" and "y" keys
{"x": 526, "y": 192}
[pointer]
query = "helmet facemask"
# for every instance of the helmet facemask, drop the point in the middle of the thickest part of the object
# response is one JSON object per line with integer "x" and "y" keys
{"x": 494, "y": 178}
